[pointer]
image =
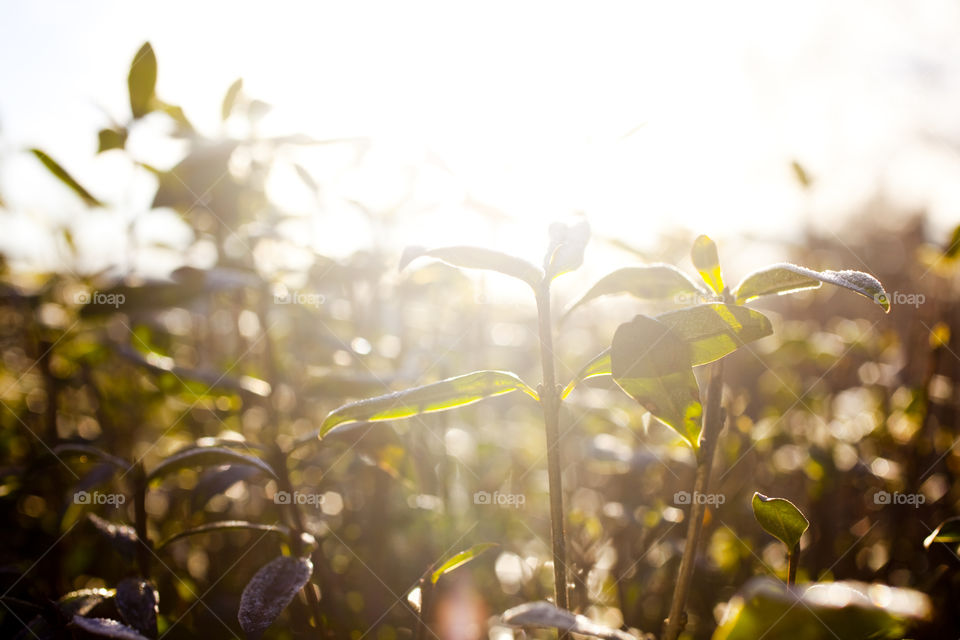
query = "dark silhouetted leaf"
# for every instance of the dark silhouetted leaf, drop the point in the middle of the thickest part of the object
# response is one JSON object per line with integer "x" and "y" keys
{"x": 61, "y": 174}
{"x": 213, "y": 482}
{"x": 599, "y": 365}
{"x": 705, "y": 259}
{"x": 546, "y": 615}
{"x": 106, "y": 628}
{"x": 227, "y": 525}
{"x": 80, "y": 449}
{"x": 460, "y": 559}
{"x": 137, "y": 602}
{"x": 123, "y": 538}
{"x": 207, "y": 457}
{"x": 270, "y": 591}
{"x": 653, "y": 282}
{"x": 567, "y": 245}
{"x": 230, "y": 98}
{"x": 947, "y": 531}
{"x": 715, "y": 330}
{"x": 142, "y": 81}
{"x": 780, "y": 518}
{"x": 782, "y": 278}
{"x": 82, "y": 602}
{"x": 111, "y": 139}
{"x": 446, "y": 394}
{"x": 652, "y": 364}
{"x": 478, "y": 258}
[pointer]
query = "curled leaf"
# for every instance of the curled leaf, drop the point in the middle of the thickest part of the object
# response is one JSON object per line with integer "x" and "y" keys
{"x": 546, "y": 615}
{"x": 705, "y": 259}
{"x": 82, "y": 449}
{"x": 206, "y": 457}
{"x": 652, "y": 282}
{"x": 783, "y": 278}
{"x": 478, "y": 258}
{"x": 270, "y": 591}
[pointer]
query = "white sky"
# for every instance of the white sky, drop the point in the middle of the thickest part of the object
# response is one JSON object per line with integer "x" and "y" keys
{"x": 527, "y": 103}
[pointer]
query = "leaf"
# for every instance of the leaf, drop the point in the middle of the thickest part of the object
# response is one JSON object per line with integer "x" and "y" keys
{"x": 142, "y": 81}
{"x": 122, "y": 537}
{"x": 137, "y": 602}
{"x": 83, "y": 601}
{"x": 599, "y": 365}
{"x": 652, "y": 282}
{"x": 270, "y": 591}
{"x": 783, "y": 278}
{"x": 226, "y": 525}
{"x": 80, "y": 449}
{"x": 451, "y": 393}
{"x": 705, "y": 259}
{"x": 61, "y": 174}
{"x": 478, "y": 258}
{"x": 213, "y": 482}
{"x": 652, "y": 364}
{"x": 230, "y": 98}
{"x": 953, "y": 246}
{"x": 715, "y": 330}
{"x": 567, "y": 245}
{"x": 206, "y": 457}
{"x": 111, "y": 139}
{"x": 780, "y": 518}
{"x": 947, "y": 531}
{"x": 766, "y": 608}
{"x": 460, "y": 559}
{"x": 546, "y": 615}
{"x": 801, "y": 175}
{"x": 106, "y": 628}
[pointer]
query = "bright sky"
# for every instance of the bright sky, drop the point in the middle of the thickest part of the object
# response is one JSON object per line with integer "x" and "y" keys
{"x": 639, "y": 114}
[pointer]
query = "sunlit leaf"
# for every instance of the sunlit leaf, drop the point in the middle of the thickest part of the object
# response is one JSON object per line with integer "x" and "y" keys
{"x": 652, "y": 282}
{"x": 800, "y": 173}
{"x": 106, "y": 628}
{"x": 768, "y": 609}
{"x": 652, "y": 364}
{"x": 446, "y": 394}
{"x": 137, "y": 601}
{"x": 947, "y": 531}
{"x": 460, "y": 559}
{"x": 567, "y": 245}
{"x": 122, "y": 537}
{"x": 207, "y": 457}
{"x": 546, "y": 615}
{"x": 599, "y": 365}
{"x": 230, "y": 98}
{"x": 61, "y": 174}
{"x": 780, "y": 518}
{"x": 175, "y": 113}
{"x": 142, "y": 81}
{"x": 226, "y": 525}
{"x": 111, "y": 139}
{"x": 270, "y": 591}
{"x": 478, "y": 258}
{"x": 705, "y": 259}
{"x": 788, "y": 278}
{"x": 83, "y": 601}
{"x": 715, "y": 330}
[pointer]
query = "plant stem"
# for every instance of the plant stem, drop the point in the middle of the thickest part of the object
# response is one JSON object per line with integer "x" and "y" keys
{"x": 550, "y": 402}
{"x": 712, "y": 424}
{"x": 140, "y": 521}
{"x": 792, "y": 559}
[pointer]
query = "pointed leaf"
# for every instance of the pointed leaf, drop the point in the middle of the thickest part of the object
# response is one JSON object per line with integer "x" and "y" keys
{"x": 567, "y": 245}
{"x": 652, "y": 282}
{"x": 61, "y": 174}
{"x": 207, "y": 457}
{"x": 230, "y": 98}
{"x": 460, "y": 559}
{"x": 83, "y": 601}
{"x": 227, "y": 525}
{"x": 599, "y": 365}
{"x": 780, "y": 518}
{"x": 80, "y": 449}
{"x": 137, "y": 602}
{"x": 546, "y": 615}
{"x": 948, "y": 531}
{"x": 106, "y": 628}
{"x": 652, "y": 364}
{"x": 478, "y": 258}
{"x": 142, "y": 81}
{"x": 270, "y": 591}
{"x": 783, "y": 278}
{"x": 705, "y": 259}
{"x": 446, "y": 394}
{"x": 715, "y": 330}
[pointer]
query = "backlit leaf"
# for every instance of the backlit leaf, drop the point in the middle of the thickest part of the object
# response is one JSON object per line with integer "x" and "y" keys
{"x": 705, "y": 259}
{"x": 948, "y": 531}
{"x": 782, "y": 278}
{"x": 270, "y": 591}
{"x": 227, "y": 525}
{"x": 546, "y": 615}
{"x": 478, "y": 258}
{"x": 230, "y": 98}
{"x": 460, "y": 559}
{"x": 652, "y": 282}
{"x": 142, "y": 81}
{"x": 780, "y": 518}
{"x": 567, "y": 245}
{"x": 715, "y": 330}
{"x": 207, "y": 457}
{"x": 106, "y": 628}
{"x": 599, "y": 365}
{"x": 61, "y": 174}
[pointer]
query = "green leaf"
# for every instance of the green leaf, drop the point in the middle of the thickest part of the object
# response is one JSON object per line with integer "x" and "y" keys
{"x": 478, "y": 258}
{"x": 766, "y": 608}
{"x": 142, "y": 81}
{"x": 652, "y": 282}
{"x": 446, "y": 394}
{"x": 226, "y": 525}
{"x": 780, "y": 518}
{"x": 137, "y": 602}
{"x": 64, "y": 177}
{"x": 782, "y": 278}
{"x": 207, "y": 457}
{"x": 715, "y": 330}
{"x": 705, "y": 259}
{"x": 800, "y": 173}
{"x": 106, "y": 628}
{"x": 111, "y": 139}
{"x": 230, "y": 98}
{"x": 270, "y": 591}
{"x": 652, "y": 364}
{"x": 460, "y": 559}
{"x": 947, "y": 531}
{"x": 175, "y": 112}
{"x": 599, "y": 365}
{"x": 547, "y": 615}
{"x": 567, "y": 245}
